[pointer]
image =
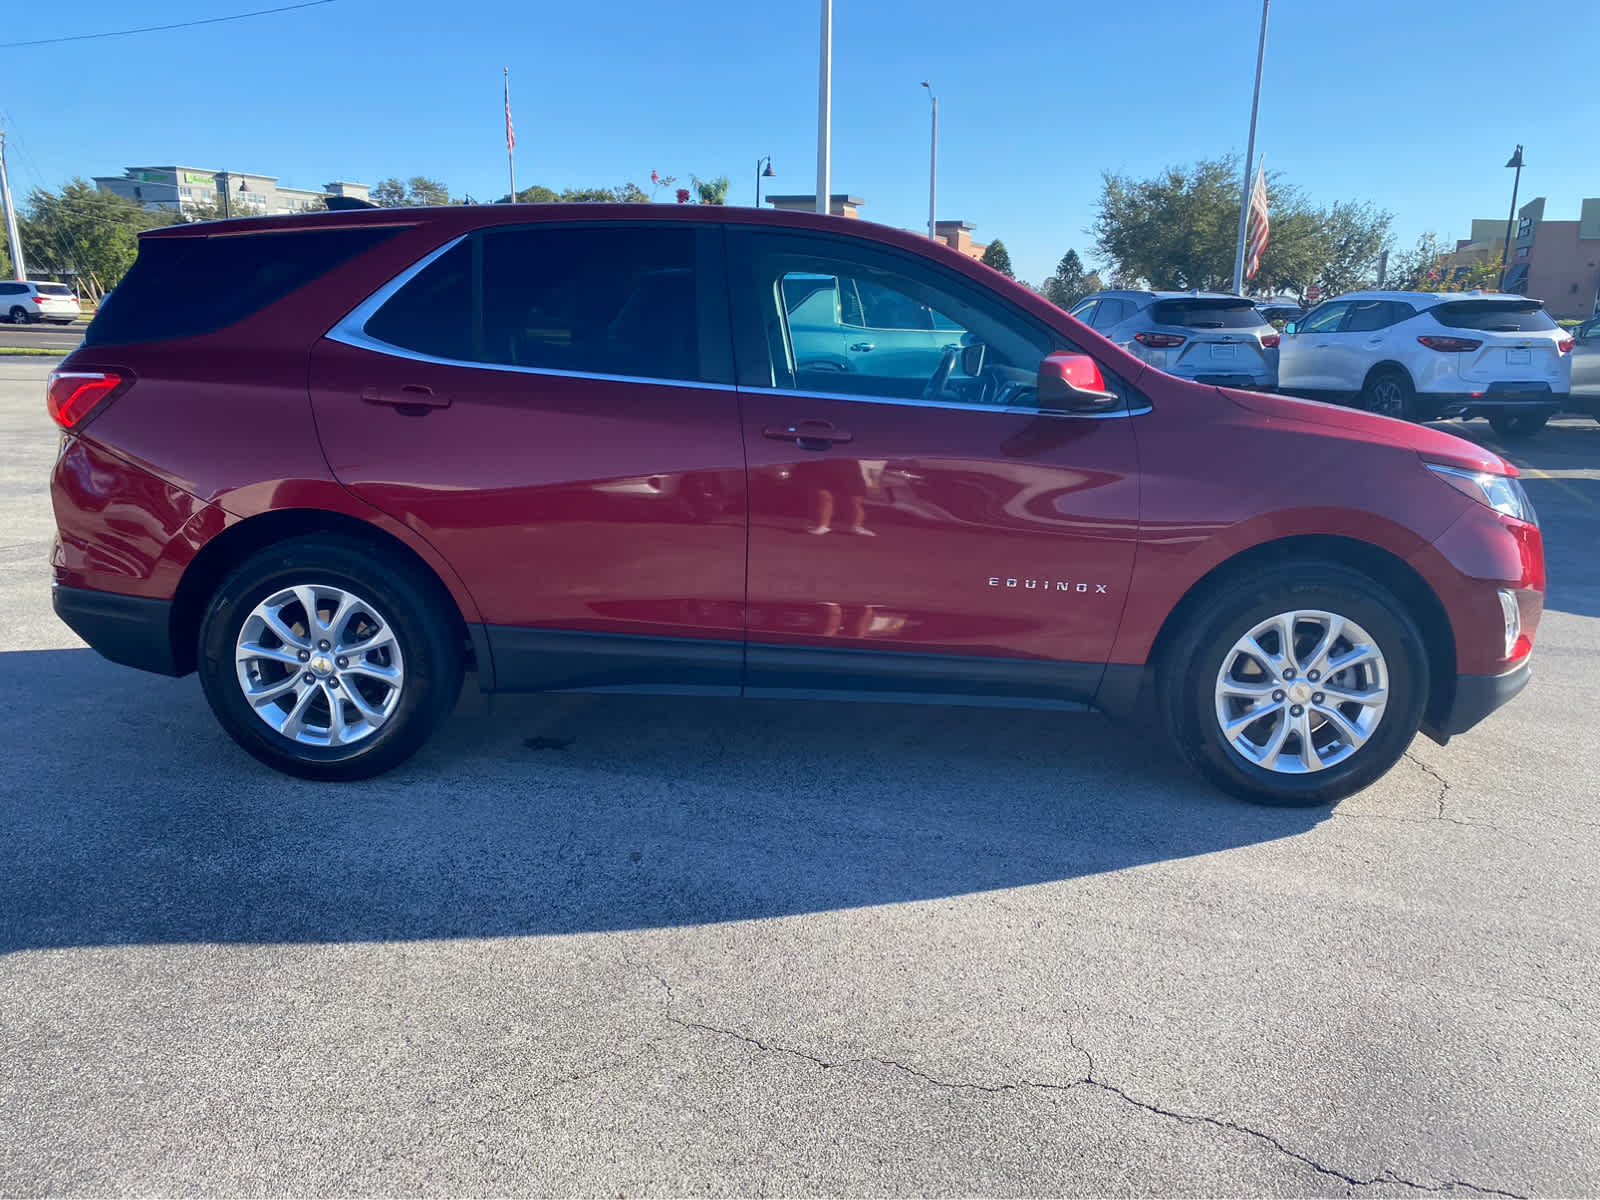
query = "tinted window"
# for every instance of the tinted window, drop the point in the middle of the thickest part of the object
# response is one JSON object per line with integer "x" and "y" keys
{"x": 871, "y": 305}
{"x": 179, "y": 287}
{"x": 1110, "y": 313}
{"x": 1208, "y": 314}
{"x": 1367, "y": 315}
{"x": 1085, "y": 311}
{"x": 602, "y": 300}
{"x": 52, "y": 289}
{"x": 432, "y": 314}
{"x": 12, "y": 289}
{"x": 1325, "y": 319}
{"x": 1496, "y": 316}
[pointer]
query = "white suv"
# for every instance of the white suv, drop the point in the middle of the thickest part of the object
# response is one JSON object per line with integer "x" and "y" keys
{"x": 1423, "y": 356}
{"x": 22, "y": 301}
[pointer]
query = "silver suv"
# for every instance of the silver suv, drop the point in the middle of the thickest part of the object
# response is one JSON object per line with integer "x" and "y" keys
{"x": 1423, "y": 356}
{"x": 1204, "y": 336}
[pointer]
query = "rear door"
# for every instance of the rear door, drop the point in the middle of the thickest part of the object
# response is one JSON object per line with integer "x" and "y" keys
{"x": 1586, "y": 361}
{"x": 1363, "y": 340}
{"x": 1519, "y": 343}
{"x": 551, "y": 407}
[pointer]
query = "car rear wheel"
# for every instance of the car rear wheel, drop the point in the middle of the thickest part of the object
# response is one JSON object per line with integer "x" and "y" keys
{"x": 1518, "y": 425}
{"x": 1390, "y": 394}
{"x": 325, "y": 659}
{"x": 18, "y": 315}
{"x": 1298, "y": 686}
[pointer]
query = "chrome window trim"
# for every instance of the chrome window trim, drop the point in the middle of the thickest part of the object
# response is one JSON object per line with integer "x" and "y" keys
{"x": 951, "y": 404}
{"x": 352, "y": 331}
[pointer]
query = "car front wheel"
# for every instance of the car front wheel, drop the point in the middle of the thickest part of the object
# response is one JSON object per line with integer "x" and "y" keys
{"x": 1298, "y": 686}
{"x": 323, "y": 658}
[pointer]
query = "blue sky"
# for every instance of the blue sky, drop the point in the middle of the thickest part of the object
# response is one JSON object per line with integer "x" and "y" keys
{"x": 1411, "y": 104}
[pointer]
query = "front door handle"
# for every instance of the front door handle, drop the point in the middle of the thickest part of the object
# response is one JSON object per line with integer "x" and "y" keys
{"x": 808, "y": 435}
{"x": 413, "y": 399}
{"x": 861, "y": 347}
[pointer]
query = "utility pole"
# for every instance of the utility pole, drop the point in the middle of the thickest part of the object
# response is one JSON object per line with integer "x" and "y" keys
{"x": 19, "y": 270}
{"x": 1249, "y": 158}
{"x": 933, "y": 167}
{"x": 825, "y": 112}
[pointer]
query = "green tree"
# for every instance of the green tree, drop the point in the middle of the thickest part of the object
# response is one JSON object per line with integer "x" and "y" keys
{"x": 1070, "y": 283}
{"x": 1179, "y": 230}
{"x": 415, "y": 192}
{"x": 85, "y": 232}
{"x": 626, "y": 193}
{"x": 711, "y": 191}
{"x": 1429, "y": 267}
{"x": 997, "y": 256}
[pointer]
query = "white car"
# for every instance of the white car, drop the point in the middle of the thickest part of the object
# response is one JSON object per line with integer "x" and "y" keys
{"x": 22, "y": 301}
{"x": 1424, "y": 356}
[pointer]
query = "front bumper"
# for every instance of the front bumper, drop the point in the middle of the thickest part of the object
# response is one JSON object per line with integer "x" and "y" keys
{"x": 132, "y": 630}
{"x": 1475, "y": 698}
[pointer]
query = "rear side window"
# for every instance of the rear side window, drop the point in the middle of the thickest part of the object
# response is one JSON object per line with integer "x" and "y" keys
{"x": 1110, "y": 313}
{"x": 1367, "y": 315}
{"x": 1494, "y": 316}
{"x": 601, "y": 301}
{"x": 12, "y": 289}
{"x": 1207, "y": 314}
{"x": 180, "y": 287}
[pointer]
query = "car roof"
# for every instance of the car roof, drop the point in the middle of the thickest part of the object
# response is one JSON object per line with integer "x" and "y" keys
{"x": 1151, "y": 295}
{"x": 1428, "y": 299}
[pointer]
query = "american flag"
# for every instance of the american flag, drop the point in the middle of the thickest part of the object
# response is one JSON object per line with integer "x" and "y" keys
{"x": 511, "y": 133}
{"x": 1260, "y": 224}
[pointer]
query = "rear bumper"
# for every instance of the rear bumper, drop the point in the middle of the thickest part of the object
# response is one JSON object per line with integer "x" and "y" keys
{"x": 132, "y": 630}
{"x": 1476, "y": 697}
{"x": 1525, "y": 399}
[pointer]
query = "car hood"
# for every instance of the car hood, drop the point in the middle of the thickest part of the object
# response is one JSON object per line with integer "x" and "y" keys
{"x": 1434, "y": 445}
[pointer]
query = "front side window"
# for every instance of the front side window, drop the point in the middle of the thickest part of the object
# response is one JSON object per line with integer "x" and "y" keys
{"x": 1325, "y": 319}
{"x": 602, "y": 300}
{"x": 898, "y": 332}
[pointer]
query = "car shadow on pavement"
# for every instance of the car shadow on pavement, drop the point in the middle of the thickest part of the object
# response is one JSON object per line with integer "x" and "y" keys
{"x": 128, "y": 817}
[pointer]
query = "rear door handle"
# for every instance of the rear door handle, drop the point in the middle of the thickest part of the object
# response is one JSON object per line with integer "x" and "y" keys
{"x": 414, "y": 399}
{"x": 808, "y": 435}
{"x": 861, "y": 347}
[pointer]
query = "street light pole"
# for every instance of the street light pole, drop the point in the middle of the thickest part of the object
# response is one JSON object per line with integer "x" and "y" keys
{"x": 933, "y": 167}
{"x": 19, "y": 270}
{"x": 1249, "y": 158}
{"x": 769, "y": 173}
{"x": 825, "y": 112}
{"x": 1505, "y": 254}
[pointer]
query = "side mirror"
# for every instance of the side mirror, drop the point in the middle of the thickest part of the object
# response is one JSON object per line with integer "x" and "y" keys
{"x": 1073, "y": 383}
{"x": 972, "y": 359}
{"x": 1292, "y": 327}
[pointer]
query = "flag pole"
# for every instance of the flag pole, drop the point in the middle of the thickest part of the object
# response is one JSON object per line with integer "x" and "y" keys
{"x": 1249, "y": 158}
{"x": 511, "y": 140}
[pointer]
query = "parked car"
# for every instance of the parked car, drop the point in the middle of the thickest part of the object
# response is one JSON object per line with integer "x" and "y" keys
{"x": 1586, "y": 369}
{"x": 591, "y": 448}
{"x": 1425, "y": 356}
{"x": 23, "y": 301}
{"x": 1204, "y": 336}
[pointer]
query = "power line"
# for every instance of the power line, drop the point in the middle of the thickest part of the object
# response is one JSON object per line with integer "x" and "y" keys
{"x": 88, "y": 37}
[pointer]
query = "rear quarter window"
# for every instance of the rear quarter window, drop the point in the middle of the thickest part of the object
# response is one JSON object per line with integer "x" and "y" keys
{"x": 181, "y": 287}
{"x": 1494, "y": 316}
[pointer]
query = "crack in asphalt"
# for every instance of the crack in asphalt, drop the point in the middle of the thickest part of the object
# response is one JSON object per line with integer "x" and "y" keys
{"x": 1444, "y": 784}
{"x": 1088, "y": 1079}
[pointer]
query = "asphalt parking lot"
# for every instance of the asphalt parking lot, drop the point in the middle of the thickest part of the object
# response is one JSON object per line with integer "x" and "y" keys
{"x": 665, "y": 946}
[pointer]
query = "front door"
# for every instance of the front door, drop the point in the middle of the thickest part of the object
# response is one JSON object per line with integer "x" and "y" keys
{"x": 1306, "y": 358}
{"x": 552, "y": 409}
{"x": 932, "y": 509}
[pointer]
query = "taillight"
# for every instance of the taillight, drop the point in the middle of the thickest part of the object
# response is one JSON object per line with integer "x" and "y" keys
{"x": 1449, "y": 345}
{"x": 1565, "y": 345}
{"x": 72, "y": 395}
{"x": 1269, "y": 341}
{"x": 1159, "y": 341}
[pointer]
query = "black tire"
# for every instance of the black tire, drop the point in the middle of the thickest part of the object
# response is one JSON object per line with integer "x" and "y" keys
{"x": 1389, "y": 393}
{"x": 18, "y": 315}
{"x": 1512, "y": 426}
{"x": 426, "y": 633}
{"x": 1192, "y": 667}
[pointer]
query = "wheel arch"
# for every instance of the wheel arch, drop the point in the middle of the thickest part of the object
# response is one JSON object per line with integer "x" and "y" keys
{"x": 211, "y": 565}
{"x": 1376, "y": 563}
{"x": 1387, "y": 365}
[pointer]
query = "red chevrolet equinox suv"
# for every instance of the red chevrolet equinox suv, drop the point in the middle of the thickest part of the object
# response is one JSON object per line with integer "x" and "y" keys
{"x": 330, "y": 462}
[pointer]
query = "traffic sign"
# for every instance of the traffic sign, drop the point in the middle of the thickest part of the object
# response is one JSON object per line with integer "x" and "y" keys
{"x": 1313, "y": 294}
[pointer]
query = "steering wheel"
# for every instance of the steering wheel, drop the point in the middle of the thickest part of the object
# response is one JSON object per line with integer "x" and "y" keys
{"x": 941, "y": 374}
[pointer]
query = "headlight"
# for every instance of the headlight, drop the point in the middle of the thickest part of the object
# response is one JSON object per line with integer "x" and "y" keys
{"x": 1500, "y": 492}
